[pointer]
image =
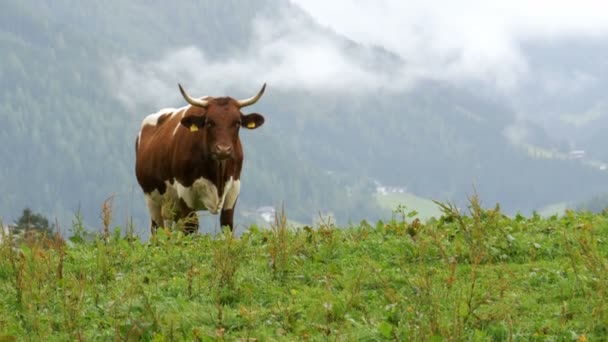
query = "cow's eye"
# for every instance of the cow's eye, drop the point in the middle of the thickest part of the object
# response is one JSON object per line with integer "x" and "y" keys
{"x": 209, "y": 123}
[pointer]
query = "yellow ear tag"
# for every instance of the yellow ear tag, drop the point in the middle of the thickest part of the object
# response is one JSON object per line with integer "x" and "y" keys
{"x": 251, "y": 125}
{"x": 193, "y": 128}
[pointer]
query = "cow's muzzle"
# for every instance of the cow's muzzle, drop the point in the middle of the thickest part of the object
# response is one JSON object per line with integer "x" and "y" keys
{"x": 222, "y": 152}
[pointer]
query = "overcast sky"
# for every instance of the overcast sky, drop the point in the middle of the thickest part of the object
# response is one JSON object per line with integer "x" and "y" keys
{"x": 475, "y": 40}
{"x": 461, "y": 39}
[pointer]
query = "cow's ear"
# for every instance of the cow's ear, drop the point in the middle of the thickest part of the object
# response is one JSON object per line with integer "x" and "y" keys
{"x": 193, "y": 122}
{"x": 252, "y": 121}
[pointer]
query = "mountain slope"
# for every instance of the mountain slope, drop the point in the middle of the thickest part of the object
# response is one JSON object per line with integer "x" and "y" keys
{"x": 69, "y": 135}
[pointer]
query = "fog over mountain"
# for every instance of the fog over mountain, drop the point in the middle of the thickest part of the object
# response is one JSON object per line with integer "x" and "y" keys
{"x": 542, "y": 58}
{"x": 547, "y": 58}
{"x": 437, "y": 99}
{"x": 468, "y": 40}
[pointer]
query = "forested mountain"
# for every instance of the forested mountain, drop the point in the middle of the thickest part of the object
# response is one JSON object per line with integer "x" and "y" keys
{"x": 566, "y": 92}
{"x": 69, "y": 118}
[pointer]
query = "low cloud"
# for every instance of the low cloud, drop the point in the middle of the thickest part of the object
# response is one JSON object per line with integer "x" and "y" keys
{"x": 461, "y": 40}
{"x": 288, "y": 54}
{"x": 441, "y": 40}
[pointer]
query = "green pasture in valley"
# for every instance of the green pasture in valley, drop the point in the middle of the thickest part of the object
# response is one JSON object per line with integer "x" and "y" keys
{"x": 424, "y": 207}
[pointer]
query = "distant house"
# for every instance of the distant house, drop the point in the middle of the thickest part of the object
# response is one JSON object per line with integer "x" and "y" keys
{"x": 576, "y": 154}
{"x": 385, "y": 190}
{"x": 267, "y": 213}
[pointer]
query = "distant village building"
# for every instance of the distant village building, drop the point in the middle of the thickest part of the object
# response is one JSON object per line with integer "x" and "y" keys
{"x": 576, "y": 154}
{"x": 267, "y": 213}
{"x": 385, "y": 190}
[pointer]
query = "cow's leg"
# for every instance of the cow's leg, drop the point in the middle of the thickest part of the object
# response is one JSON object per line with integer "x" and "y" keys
{"x": 227, "y": 215}
{"x": 187, "y": 218}
{"x": 153, "y": 227}
{"x": 227, "y": 218}
{"x": 191, "y": 223}
{"x": 154, "y": 203}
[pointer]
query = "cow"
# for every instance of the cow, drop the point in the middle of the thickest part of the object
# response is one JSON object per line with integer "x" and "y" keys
{"x": 190, "y": 159}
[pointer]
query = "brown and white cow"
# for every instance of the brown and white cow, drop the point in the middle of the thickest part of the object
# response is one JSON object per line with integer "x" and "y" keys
{"x": 190, "y": 159}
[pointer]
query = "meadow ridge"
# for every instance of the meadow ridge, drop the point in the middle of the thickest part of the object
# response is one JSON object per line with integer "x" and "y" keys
{"x": 472, "y": 275}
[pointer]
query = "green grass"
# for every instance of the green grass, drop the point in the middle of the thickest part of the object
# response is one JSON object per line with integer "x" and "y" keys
{"x": 425, "y": 208}
{"x": 475, "y": 277}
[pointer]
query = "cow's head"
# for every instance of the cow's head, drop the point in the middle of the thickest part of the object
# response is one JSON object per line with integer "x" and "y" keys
{"x": 218, "y": 121}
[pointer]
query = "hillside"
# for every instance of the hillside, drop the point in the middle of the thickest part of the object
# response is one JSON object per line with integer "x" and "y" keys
{"x": 70, "y": 140}
{"x": 479, "y": 276}
{"x": 77, "y": 79}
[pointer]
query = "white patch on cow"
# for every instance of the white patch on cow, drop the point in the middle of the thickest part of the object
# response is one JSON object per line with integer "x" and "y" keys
{"x": 154, "y": 201}
{"x": 152, "y": 119}
{"x": 203, "y": 195}
{"x": 232, "y": 194}
{"x": 181, "y": 114}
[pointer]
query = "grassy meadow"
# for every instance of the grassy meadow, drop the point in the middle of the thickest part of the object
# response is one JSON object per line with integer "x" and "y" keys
{"x": 470, "y": 275}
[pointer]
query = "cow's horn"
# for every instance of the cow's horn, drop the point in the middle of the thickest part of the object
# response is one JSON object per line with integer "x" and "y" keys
{"x": 191, "y": 100}
{"x": 253, "y": 99}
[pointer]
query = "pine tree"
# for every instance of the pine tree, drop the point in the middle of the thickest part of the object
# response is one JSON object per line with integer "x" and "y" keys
{"x": 30, "y": 221}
